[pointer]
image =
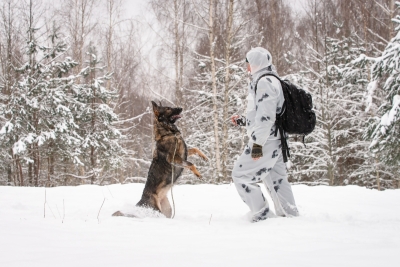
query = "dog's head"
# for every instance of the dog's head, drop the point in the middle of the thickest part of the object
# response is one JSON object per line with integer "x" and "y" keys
{"x": 166, "y": 114}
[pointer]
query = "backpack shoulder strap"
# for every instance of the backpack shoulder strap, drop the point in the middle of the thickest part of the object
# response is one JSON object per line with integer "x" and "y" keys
{"x": 264, "y": 75}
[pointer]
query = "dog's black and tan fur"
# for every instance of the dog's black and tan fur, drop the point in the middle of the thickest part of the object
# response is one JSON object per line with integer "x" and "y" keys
{"x": 170, "y": 152}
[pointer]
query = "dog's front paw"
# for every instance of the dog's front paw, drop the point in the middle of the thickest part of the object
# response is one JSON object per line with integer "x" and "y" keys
{"x": 198, "y": 175}
{"x": 118, "y": 213}
{"x": 195, "y": 171}
{"x": 204, "y": 157}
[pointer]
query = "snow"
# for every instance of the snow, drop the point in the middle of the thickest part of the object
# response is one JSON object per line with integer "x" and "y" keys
{"x": 390, "y": 116}
{"x": 338, "y": 226}
{"x": 8, "y": 126}
{"x": 19, "y": 147}
{"x": 372, "y": 86}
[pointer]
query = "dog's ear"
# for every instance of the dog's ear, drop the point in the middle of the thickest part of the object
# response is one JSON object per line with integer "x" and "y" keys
{"x": 155, "y": 108}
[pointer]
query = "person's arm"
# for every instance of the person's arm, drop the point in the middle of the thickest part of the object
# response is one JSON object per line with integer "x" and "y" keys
{"x": 266, "y": 101}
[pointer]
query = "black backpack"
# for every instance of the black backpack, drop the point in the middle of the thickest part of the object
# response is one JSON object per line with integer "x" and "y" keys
{"x": 296, "y": 117}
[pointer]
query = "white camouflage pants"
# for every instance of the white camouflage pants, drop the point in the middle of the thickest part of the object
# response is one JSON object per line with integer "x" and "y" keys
{"x": 269, "y": 169}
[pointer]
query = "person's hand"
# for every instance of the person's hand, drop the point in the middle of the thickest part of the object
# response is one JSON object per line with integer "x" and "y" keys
{"x": 256, "y": 152}
{"x": 238, "y": 120}
{"x": 234, "y": 119}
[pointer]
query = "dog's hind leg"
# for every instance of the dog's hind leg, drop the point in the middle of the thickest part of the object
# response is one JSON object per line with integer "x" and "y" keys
{"x": 195, "y": 150}
{"x": 162, "y": 200}
{"x": 151, "y": 201}
{"x": 166, "y": 207}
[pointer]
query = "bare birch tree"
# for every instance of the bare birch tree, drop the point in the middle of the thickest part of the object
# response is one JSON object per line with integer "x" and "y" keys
{"x": 80, "y": 23}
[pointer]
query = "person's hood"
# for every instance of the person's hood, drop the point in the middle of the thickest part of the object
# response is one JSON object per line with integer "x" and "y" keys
{"x": 259, "y": 58}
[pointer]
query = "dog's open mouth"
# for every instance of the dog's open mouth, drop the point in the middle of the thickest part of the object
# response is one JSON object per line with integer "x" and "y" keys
{"x": 175, "y": 118}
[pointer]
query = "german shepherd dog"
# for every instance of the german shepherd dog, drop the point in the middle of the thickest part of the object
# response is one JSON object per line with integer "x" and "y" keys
{"x": 169, "y": 157}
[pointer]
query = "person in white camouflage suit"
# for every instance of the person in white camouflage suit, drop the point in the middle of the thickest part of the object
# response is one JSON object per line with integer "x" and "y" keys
{"x": 262, "y": 158}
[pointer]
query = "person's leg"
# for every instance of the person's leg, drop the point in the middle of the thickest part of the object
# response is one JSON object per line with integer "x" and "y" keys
{"x": 248, "y": 172}
{"x": 281, "y": 190}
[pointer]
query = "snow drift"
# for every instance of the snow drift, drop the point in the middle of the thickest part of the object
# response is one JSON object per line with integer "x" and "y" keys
{"x": 72, "y": 226}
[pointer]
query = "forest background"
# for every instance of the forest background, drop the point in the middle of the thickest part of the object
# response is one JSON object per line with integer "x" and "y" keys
{"x": 77, "y": 78}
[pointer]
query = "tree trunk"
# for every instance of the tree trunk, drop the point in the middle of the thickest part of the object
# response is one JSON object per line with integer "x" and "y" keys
{"x": 179, "y": 54}
{"x": 93, "y": 123}
{"x": 16, "y": 173}
{"x": 391, "y": 23}
{"x": 77, "y": 16}
{"x": 316, "y": 33}
{"x": 92, "y": 162}
{"x": 273, "y": 28}
{"x": 113, "y": 12}
{"x": 50, "y": 163}
{"x": 214, "y": 89}
{"x": 30, "y": 171}
{"x": 36, "y": 164}
{"x": 9, "y": 174}
{"x": 21, "y": 177}
{"x": 226, "y": 90}
{"x": 176, "y": 52}
{"x": 181, "y": 50}
{"x": 8, "y": 72}
{"x": 378, "y": 180}
{"x": 261, "y": 21}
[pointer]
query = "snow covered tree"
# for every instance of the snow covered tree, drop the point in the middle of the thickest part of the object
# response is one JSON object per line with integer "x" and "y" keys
{"x": 95, "y": 117}
{"x": 38, "y": 106}
{"x": 336, "y": 72}
{"x": 318, "y": 163}
{"x": 354, "y": 164}
{"x": 333, "y": 151}
{"x": 385, "y": 127}
{"x": 9, "y": 56}
{"x": 53, "y": 122}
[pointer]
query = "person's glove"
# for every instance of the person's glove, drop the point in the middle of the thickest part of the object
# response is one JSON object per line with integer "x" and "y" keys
{"x": 241, "y": 121}
{"x": 256, "y": 152}
{"x": 238, "y": 120}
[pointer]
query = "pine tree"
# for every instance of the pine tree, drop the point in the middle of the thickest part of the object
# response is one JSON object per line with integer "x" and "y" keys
{"x": 100, "y": 150}
{"x": 355, "y": 164}
{"x": 385, "y": 127}
{"x": 37, "y": 108}
{"x": 54, "y": 122}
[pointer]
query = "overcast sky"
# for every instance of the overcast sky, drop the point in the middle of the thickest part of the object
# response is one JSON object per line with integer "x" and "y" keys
{"x": 134, "y": 7}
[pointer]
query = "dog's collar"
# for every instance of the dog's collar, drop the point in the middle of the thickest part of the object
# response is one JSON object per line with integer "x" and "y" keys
{"x": 177, "y": 134}
{"x": 171, "y": 126}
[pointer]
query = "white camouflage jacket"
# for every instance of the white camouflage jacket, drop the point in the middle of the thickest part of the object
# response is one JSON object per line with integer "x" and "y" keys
{"x": 263, "y": 105}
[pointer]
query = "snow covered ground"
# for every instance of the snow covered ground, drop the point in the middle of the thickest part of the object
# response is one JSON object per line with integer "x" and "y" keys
{"x": 338, "y": 226}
